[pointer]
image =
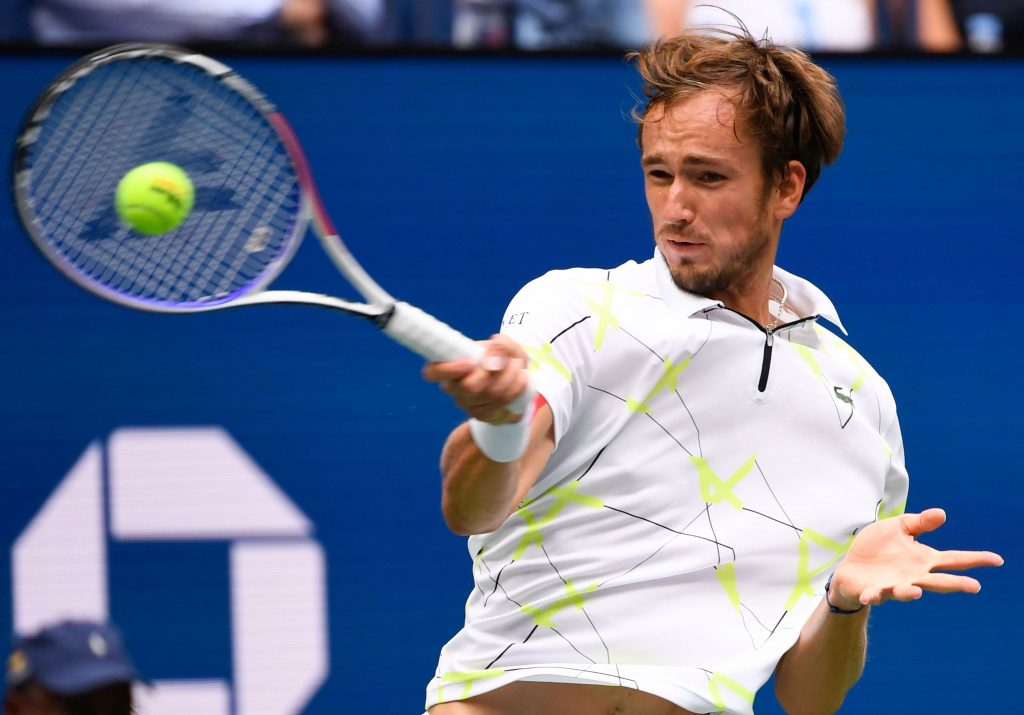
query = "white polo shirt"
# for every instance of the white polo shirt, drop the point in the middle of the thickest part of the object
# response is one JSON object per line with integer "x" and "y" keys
{"x": 707, "y": 477}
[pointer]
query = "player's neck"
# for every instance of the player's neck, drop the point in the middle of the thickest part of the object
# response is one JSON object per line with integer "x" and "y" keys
{"x": 751, "y": 299}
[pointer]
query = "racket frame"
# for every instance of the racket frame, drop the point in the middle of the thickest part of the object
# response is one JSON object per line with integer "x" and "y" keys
{"x": 405, "y": 323}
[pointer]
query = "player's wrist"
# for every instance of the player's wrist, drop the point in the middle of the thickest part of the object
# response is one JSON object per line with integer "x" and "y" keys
{"x": 506, "y": 441}
{"x": 837, "y": 603}
{"x": 500, "y": 442}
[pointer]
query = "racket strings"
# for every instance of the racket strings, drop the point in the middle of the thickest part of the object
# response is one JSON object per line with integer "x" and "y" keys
{"x": 259, "y": 157}
{"x": 246, "y": 217}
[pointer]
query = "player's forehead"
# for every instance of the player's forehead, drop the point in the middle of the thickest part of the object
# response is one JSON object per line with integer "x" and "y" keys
{"x": 706, "y": 123}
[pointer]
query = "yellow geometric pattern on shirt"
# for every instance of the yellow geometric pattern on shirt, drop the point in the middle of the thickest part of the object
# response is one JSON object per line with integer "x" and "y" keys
{"x": 855, "y": 358}
{"x": 669, "y": 381}
{"x": 808, "y": 355}
{"x": 862, "y": 371}
{"x": 804, "y": 573}
{"x": 726, "y": 574}
{"x": 565, "y": 495}
{"x": 716, "y": 693}
{"x": 477, "y": 560}
{"x": 467, "y": 678}
{"x": 713, "y": 488}
{"x": 541, "y": 355}
{"x": 830, "y": 343}
{"x": 885, "y": 446}
{"x": 884, "y": 513}
{"x": 603, "y": 309}
{"x": 572, "y": 597}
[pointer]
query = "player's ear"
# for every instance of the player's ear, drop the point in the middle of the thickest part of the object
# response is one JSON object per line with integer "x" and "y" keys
{"x": 790, "y": 189}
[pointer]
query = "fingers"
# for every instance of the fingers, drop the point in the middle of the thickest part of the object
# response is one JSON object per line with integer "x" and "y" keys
{"x": 963, "y": 560}
{"x": 949, "y": 583}
{"x": 447, "y": 371}
{"x": 936, "y": 583}
{"x": 876, "y": 596}
{"x": 927, "y": 520}
{"x": 899, "y": 592}
{"x": 485, "y": 390}
{"x": 487, "y": 396}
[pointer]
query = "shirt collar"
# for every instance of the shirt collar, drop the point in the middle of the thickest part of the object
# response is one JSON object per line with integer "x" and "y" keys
{"x": 804, "y": 298}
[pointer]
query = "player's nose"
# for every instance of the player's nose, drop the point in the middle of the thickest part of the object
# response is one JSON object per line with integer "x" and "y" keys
{"x": 678, "y": 204}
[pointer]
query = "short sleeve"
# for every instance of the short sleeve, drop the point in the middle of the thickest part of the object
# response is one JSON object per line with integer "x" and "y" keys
{"x": 550, "y": 319}
{"x": 894, "y": 496}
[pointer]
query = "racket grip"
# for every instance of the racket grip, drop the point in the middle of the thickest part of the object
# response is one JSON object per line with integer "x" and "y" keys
{"x": 426, "y": 335}
{"x": 436, "y": 341}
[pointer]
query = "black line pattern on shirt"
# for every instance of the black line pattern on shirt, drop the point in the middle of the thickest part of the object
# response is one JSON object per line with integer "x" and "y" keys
{"x": 675, "y": 531}
{"x": 634, "y": 568}
{"x": 577, "y": 672}
{"x": 797, "y": 529}
{"x": 582, "y": 608}
{"x": 752, "y": 622}
{"x": 772, "y": 492}
{"x": 509, "y": 646}
{"x": 711, "y": 525}
{"x": 566, "y": 330}
{"x": 642, "y": 343}
{"x": 497, "y": 585}
{"x": 591, "y": 465}
{"x": 559, "y": 633}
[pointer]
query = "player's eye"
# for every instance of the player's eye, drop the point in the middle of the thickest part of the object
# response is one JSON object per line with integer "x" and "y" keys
{"x": 711, "y": 177}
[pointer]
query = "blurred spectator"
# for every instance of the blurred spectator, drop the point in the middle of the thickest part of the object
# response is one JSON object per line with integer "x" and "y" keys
{"x": 549, "y": 24}
{"x": 14, "y": 24}
{"x": 309, "y": 23}
{"x": 816, "y": 25}
{"x": 827, "y": 25}
{"x": 991, "y": 25}
{"x": 70, "y": 668}
{"x": 927, "y": 25}
{"x": 423, "y": 23}
{"x": 834, "y": 25}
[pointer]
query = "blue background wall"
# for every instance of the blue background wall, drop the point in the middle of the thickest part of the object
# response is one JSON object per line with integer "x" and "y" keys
{"x": 455, "y": 180}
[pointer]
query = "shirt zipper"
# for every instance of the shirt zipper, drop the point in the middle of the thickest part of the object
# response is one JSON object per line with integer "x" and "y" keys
{"x": 769, "y": 343}
{"x": 766, "y": 360}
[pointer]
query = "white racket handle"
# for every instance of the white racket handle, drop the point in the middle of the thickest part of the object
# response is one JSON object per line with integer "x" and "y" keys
{"x": 426, "y": 335}
{"x": 436, "y": 341}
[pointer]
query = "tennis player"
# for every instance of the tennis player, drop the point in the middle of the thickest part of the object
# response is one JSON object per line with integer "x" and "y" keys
{"x": 714, "y": 487}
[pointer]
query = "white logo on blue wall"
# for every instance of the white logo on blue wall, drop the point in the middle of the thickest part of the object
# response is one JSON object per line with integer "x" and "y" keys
{"x": 187, "y": 484}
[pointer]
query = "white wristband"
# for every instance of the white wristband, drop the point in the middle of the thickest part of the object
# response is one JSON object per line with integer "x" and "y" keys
{"x": 501, "y": 443}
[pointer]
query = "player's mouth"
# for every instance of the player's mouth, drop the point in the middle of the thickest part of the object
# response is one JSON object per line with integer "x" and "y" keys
{"x": 683, "y": 247}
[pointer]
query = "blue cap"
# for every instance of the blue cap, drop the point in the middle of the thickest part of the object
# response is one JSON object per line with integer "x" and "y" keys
{"x": 71, "y": 657}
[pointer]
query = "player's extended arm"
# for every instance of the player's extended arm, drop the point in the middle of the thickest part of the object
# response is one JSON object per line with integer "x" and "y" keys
{"x": 478, "y": 494}
{"x": 885, "y": 562}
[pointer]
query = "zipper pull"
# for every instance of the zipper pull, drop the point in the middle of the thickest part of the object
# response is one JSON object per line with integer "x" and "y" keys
{"x": 766, "y": 361}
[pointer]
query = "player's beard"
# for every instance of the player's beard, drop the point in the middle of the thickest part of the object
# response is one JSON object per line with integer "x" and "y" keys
{"x": 729, "y": 270}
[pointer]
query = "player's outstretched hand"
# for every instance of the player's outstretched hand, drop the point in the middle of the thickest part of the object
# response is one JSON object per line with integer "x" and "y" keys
{"x": 486, "y": 389}
{"x": 887, "y": 562}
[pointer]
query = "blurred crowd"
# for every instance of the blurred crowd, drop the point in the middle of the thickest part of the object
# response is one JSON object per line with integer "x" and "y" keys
{"x": 983, "y": 26}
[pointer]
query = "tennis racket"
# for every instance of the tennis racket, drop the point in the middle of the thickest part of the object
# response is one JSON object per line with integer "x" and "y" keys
{"x": 254, "y": 193}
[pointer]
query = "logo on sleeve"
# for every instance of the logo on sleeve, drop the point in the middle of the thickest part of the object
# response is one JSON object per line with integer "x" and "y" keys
{"x": 515, "y": 318}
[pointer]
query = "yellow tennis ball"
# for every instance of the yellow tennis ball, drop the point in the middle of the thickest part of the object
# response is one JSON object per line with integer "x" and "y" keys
{"x": 155, "y": 197}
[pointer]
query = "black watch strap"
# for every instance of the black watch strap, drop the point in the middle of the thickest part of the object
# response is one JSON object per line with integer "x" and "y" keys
{"x": 836, "y": 609}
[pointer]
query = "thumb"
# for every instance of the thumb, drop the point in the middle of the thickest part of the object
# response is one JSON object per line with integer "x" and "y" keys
{"x": 927, "y": 520}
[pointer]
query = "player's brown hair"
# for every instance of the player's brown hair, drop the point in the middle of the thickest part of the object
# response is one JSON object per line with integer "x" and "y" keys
{"x": 790, "y": 105}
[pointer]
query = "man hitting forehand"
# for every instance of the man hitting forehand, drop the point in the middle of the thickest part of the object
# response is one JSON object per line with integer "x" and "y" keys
{"x": 713, "y": 486}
